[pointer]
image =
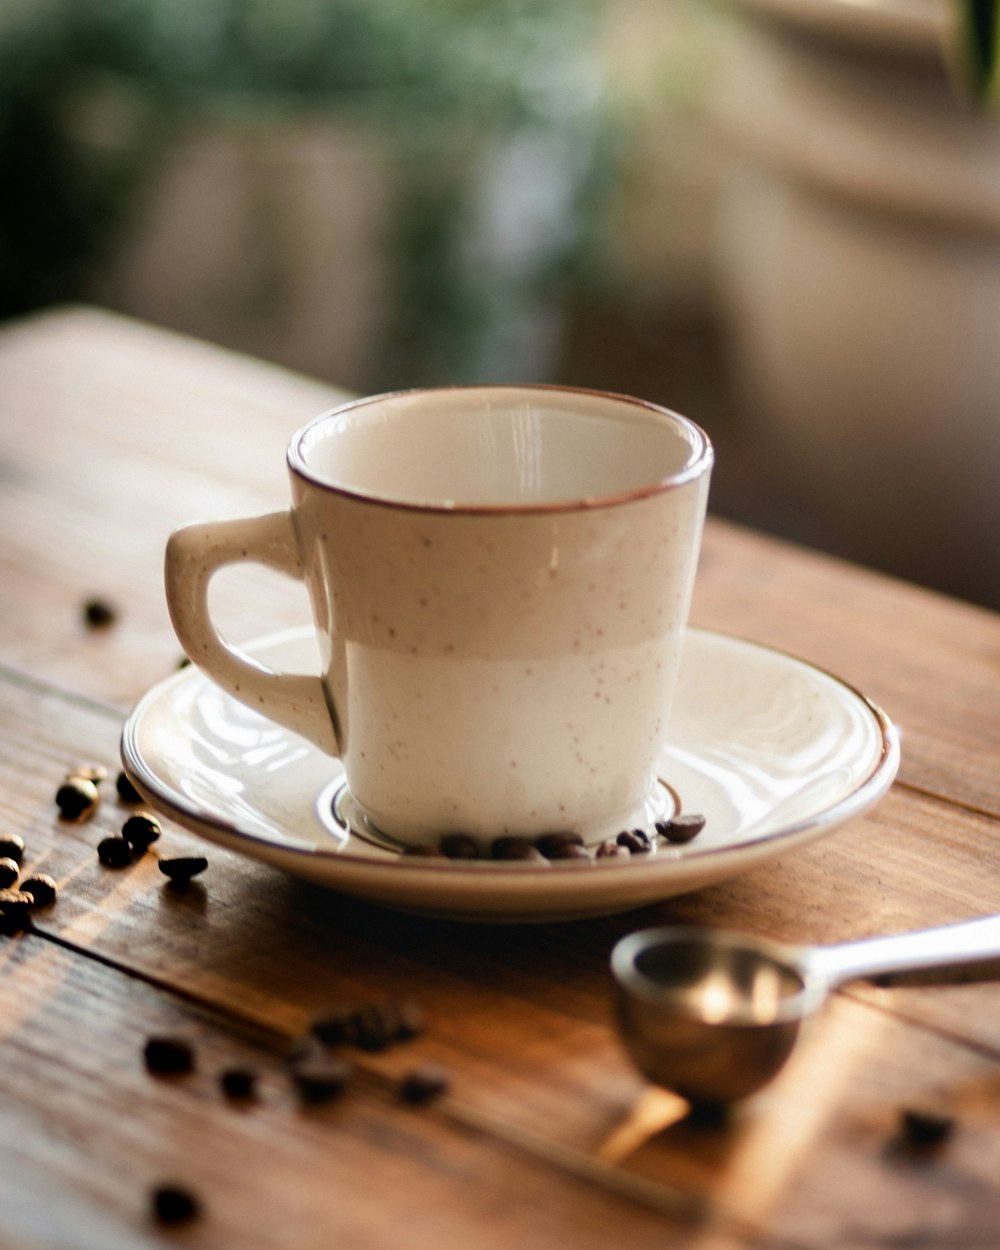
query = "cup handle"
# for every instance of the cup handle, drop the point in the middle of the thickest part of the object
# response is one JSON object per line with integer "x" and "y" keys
{"x": 194, "y": 554}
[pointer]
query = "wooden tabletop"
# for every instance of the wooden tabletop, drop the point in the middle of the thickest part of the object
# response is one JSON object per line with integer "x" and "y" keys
{"x": 111, "y": 435}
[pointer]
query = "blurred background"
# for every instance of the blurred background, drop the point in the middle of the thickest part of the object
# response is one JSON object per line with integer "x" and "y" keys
{"x": 780, "y": 217}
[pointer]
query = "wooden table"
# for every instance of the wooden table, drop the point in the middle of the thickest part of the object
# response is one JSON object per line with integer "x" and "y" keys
{"x": 111, "y": 435}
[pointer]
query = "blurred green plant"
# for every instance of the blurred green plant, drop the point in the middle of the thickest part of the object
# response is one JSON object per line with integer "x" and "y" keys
{"x": 418, "y": 70}
{"x": 979, "y": 27}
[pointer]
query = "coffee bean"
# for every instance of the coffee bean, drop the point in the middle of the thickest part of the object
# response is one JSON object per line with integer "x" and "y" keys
{"x": 12, "y": 847}
{"x": 181, "y": 869}
{"x": 99, "y": 613}
{"x": 459, "y": 846}
{"x": 425, "y": 1083}
{"x": 335, "y": 1025}
{"x": 140, "y": 831}
{"x": 610, "y": 848}
{"x": 925, "y": 1129}
{"x": 168, "y": 1056}
{"x": 636, "y": 840}
{"x": 88, "y": 772}
{"x": 376, "y": 1026}
{"x": 174, "y": 1204}
{"x": 126, "y": 790}
{"x": 681, "y": 829}
{"x": 321, "y": 1078}
{"x": 239, "y": 1084}
{"x": 114, "y": 852}
{"x": 553, "y": 845}
{"x": 77, "y": 799}
{"x": 9, "y": 872}
{"x": 510, "y": 848}
{"x": 42, "y": 889}
{"x": 15, "y": 908}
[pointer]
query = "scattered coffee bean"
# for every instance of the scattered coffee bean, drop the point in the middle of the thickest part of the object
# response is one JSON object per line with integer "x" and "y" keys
{"x": 423, "y": 852}
{"x": 376, "y": 1026}
{"x": 168, "y": 1056}
{"x": 681, "y": 829}
{"x": 181, "y": 869}
{"x": 925, "y": 1129}
{"x": 12, "y": 847}
{"x": 459, "y": 846}
{"x": 552, "y": 845}
{"x": 42, "y": 889}
{"x": 636, "y": 840}
{"x": 611, "y": 848}
{"x": 15, "y": 908}
{"x": 77, "y": 799}
{"x": 335, "y": 1025}
{"x": 321, "y": 1078}
{"x": 99, "y": 613}
{"x": 141, "y": 831}
{"x": 240, "y": 1084}
{"x": 114, "y": 852}
{"x": 425, "y": 1083}
{"x": 174, "y": 1204}
{"x": 509, "y": 848}
{"x": 9, "y": 872}
{"x": 126, "y": 790}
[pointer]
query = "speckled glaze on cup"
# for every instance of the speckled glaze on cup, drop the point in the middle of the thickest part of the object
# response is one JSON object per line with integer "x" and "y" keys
{"x": 500, "y": 580}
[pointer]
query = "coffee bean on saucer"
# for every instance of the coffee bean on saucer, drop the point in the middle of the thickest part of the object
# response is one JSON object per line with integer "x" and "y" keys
{"x": 239, "y": 1084}
{"x": 637, "y": 840}
{"x": 168, "y": 1056}
{"x": 321, "y": 1078}
{"x": 141, "y": 831}
{"x": 99, "y": 613}
{"x": 77, "y": 799}
{"x": 425, "y": 1083}
{"x": 9, "y": 872}
{"x": 12, "y": 847}
{"x": 126, "y": 790}
{"x": 114, "y": 852}
{"x": 459, "y": 846}
{"x": 553, "y": 845}
{"x": 42, "y": 889}
{"x": 174, "y": 1204}
{"x": 510, "y": 848}
{"x": 611, "y": 848}
{"x": 681, "y": 829}
{"x": 181, "y": 869}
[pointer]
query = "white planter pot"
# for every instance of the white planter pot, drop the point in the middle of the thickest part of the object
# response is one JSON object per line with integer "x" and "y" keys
{"x": 859, "y": 265}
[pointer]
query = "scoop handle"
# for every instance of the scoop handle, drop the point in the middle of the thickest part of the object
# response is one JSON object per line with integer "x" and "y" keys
{"x": 950, "y": 946}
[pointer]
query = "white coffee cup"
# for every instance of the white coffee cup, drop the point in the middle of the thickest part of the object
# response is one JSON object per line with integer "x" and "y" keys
{"x": 500, "y": 579}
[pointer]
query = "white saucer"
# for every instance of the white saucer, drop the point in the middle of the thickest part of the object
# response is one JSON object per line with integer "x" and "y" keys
{"x": 773, "y": 751}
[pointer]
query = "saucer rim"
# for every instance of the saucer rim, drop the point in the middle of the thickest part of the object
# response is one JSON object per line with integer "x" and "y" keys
{"x": 861, "y": 797}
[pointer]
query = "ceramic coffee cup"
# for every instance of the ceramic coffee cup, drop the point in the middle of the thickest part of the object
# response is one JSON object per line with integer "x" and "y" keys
{"x": 500, "y": 579}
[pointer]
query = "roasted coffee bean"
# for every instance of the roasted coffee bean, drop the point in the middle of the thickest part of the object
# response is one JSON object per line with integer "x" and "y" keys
{"x": 376, "y": 1026}
{"x": 924, "y": 1130}
{"x": 174, "y": 1204}
{"x": 12, "y": 847}
{"x": 321, "y": 1078}
{"x": 15, "y": 908}
{"x": 168, "y": 1056}
{"x": 42, "y": 889}
{"x": 240, "y": 1084}
{"x": 181, "y": 869}
{"x": 459, "y": 846}
{"x": 552, "y": 845}
{"x": 516, "y": 848}
{"x": 114, "y": 852}
{"x": 611, "y": 848}
{"x": 140, "y": 831}
{"x": 77, "y": 798}
{"x": 423, "y": 852}
{"x": 425, "y": 1083}
{"x": 99, "y": 613}
{"x": 9, "y": 872}
{"x": 335, "y": 1025}
{"x": 681, "y": 829}
{"x": 637, "y": 840}
{"x": 126, "y": 790}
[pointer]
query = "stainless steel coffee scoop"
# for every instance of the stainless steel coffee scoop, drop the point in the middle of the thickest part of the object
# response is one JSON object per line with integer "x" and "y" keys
{"x": 713, "y": 1015}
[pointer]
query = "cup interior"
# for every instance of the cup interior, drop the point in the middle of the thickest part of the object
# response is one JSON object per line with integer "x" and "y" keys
{"x": 500, "y": 448}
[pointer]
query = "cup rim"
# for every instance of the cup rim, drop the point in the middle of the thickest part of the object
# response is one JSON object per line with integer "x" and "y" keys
{"x": 700, "y": 461}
